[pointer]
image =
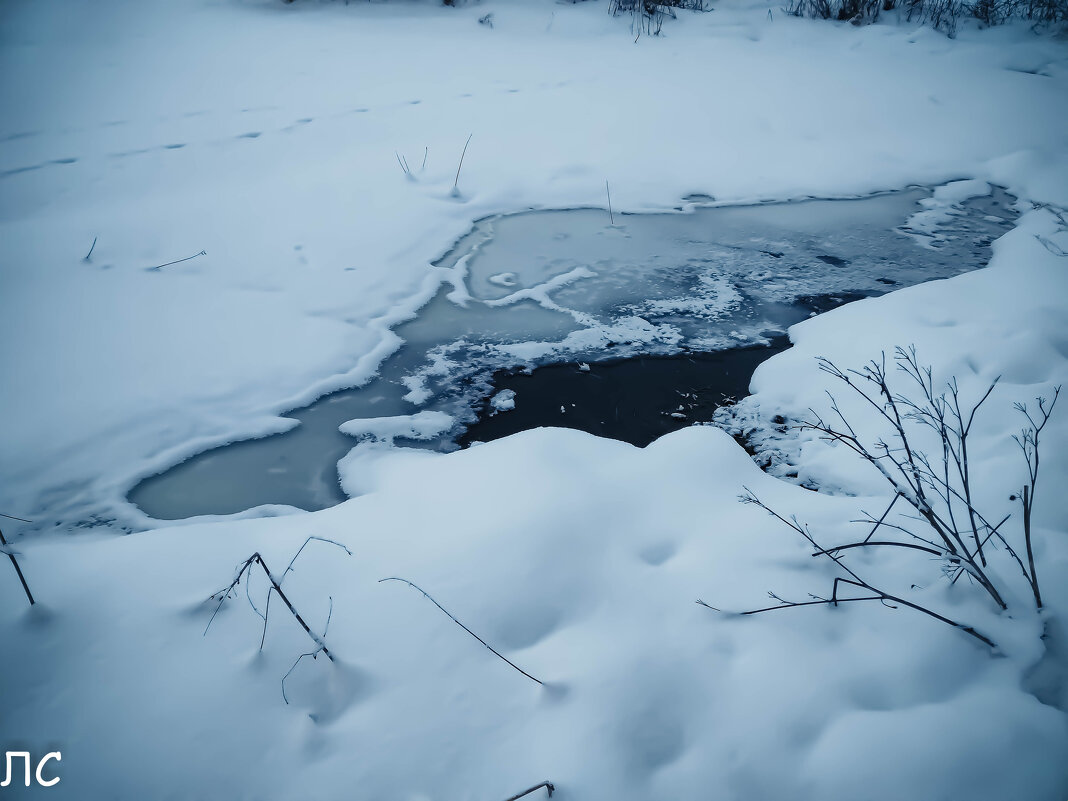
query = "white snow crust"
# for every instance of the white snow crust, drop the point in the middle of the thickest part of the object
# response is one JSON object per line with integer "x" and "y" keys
{"x": 266, "y": 136}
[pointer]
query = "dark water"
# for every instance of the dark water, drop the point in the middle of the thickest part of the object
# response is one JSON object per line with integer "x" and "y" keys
{"x": 635, "y": 400}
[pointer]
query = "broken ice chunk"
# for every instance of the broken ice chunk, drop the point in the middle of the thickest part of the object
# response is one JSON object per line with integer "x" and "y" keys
{"x": 503, "y": 401}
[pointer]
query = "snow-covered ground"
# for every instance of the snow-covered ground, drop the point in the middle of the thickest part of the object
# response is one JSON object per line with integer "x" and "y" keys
{"x": 267, "y": 136}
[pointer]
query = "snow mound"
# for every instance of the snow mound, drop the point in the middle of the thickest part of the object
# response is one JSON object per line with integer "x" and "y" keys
{"x": 419, "y": 426}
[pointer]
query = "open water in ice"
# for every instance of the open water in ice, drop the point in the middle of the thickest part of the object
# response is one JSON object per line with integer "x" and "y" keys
{"x": 643, "y": 303}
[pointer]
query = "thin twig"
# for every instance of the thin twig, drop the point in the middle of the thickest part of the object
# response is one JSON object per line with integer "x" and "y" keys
{"x": 276, "y": 587}
{"x": 461, "y": 164}
{"x": 821, "y": 602}
{"x": 329, "y": 614}
{"x": 313, "y": 654}
{"x": 179, "y": 261}
{"x": 266, "y": 615}
{"x": 866, "y": 543}
{"x": 884, "y": 597}
{"x": 14, "y": 561}
{"x": 853, "y": 580}
{"x": 879, "y": 522}
{"x": 223, "y": 594}
{"x": 611, "y": 216}
{"x": 313, "y": 537}
{"x": 1028, "y": 442}
{"x": 263, "y": 615}
{"x": 461, "y": 625}
{"x": 547, "y": 785}
{"x": 91, "y": 249}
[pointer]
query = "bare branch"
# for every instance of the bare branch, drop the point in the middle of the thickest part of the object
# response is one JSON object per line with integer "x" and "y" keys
{"x": 276, "y": 587}
{"x": 15, "y": 563}
{"x": 313, "y": 654}
{"x": 867, "y": 543}
{"x": 318, "y": 539}
{"x": 461, "y": 625}
{"x": 456, "y": 183}
{"x": 179, "y": 261}
{"x": 547, "y": 785}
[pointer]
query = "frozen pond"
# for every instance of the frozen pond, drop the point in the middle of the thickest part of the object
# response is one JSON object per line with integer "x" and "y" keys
{"x": 566, "y": 287}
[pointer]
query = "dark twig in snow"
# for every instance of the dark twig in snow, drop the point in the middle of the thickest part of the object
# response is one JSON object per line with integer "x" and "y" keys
{"x": 244, "y": 570}
{"x": 456, "y": 183}
{"x": 179, "y": 261}
{"x": 547, "y": 785}
{"x": 301, "y": 548}
{"x": 1027, "y": 439}
{"x": 853, "y": 580}
{"x": 461, "y": 625}
{"x": 329, "y": 614}
{"x": 14, "y": 561}
{"x": 611, "y": 216}
{"x": 866, "y": 543}
{"x": 313, "y": 654}
{"x": 91, "y": 249}
{"x": 1051, "y": 246}
{"x": 263, "y": 614}
{"x": 266, "y": 616}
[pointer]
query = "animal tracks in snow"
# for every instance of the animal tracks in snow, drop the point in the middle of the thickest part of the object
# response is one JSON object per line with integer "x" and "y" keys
{"x": 187, "y": 146}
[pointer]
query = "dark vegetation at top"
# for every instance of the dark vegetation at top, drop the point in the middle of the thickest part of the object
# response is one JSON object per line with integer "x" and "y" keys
{"x": 648, "y": 16}
{"x": 943, "y": 15}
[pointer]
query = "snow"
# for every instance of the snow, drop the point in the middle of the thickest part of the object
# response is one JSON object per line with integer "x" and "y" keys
{"x": 503, "y": 401}
{"x": 422, "y": 425}
{"x": 257, "y": 325}
{"x": 943, "y": 205}
{"x": 1004, "y": 321}
{"x": 580, "y": 560}
{"x": 266, "y": 135}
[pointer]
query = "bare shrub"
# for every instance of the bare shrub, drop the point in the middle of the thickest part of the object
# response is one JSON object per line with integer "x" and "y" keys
{"x": 856, "y": 11}
{"x": 942, "y": 15}
{"x": 648, "y": 16}
{"x": 924, "y": 455}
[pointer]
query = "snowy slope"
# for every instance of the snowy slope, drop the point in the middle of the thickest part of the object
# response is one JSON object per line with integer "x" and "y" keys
{"x": 579, "y": 559}
{"x": 289, "y": 119}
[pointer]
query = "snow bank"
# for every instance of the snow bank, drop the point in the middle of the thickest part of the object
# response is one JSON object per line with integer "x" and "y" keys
{"x": 287, "y": 176}
{"x": 1004, "y": 322}
{"x": 267, "y": 137}
{"x": 577, "y": 558}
